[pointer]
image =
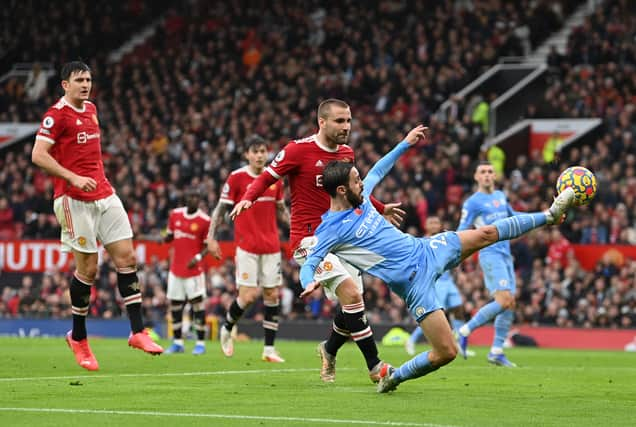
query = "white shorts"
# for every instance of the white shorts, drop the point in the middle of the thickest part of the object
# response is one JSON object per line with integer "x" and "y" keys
{"x": 257, "y": 270}
{"x": 185, "y": 288}
{"x": 83, "y": 223}
{"x": 331, "y": 272}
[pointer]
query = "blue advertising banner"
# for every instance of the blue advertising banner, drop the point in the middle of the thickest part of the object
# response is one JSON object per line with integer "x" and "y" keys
{"x": 33, "y": 328}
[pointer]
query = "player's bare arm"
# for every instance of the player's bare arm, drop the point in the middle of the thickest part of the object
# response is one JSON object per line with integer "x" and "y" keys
{"x": 216, "y": 218}
{"x": 392, "y": 211}
{"x": 41, "y": 157}
{"x": 282, "y": 212}
{"x": 198, "y": 257}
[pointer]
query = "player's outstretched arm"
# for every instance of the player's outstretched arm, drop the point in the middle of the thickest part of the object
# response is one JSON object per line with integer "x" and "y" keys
{"x": 254, "y": 191}
{"x": 384, "y": 165}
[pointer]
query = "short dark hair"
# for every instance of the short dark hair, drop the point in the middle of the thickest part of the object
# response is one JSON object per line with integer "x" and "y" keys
{"x": 325, "y": 106}
{"x": 73, "y": 67}
{"x": 482, "y": 163}
{"x": 335, "y": 174}
{"x": 254, "y": 141}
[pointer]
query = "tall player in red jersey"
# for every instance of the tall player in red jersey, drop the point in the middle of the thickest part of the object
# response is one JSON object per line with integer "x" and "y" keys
{"x": 302, "y": 161}
{"x": 187, "y": 230}
{"x": 68, "y": 146}
{"x": 257, "y": 248}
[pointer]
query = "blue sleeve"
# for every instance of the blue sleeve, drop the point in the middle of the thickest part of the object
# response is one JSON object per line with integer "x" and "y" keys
{"x": 468, "y": 216}
{"x": 327, "y": 239}
{"x": 383, "y": 166}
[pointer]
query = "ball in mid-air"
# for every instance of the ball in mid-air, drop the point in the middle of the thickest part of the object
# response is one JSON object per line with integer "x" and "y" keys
{"x": 582, "y": 181}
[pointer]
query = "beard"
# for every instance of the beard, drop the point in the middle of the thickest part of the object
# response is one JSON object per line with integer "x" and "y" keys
{"x": 339, "y": 138}
{"x": 354, "y": 199}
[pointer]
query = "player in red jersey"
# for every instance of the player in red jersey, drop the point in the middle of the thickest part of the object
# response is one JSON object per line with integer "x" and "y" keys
{"x": 187, "y": 230}
{"x": 68, "y": 146}
{"x": 258, "y": 247}
{"x": 302, "y": 161}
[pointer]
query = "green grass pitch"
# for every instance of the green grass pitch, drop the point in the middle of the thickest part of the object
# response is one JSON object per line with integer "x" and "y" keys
{"x": 41, "y": 385}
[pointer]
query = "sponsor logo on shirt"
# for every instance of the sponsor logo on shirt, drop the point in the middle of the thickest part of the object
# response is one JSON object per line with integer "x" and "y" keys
{"x": 178, "y": 234}
{"x": 83, "y": 137}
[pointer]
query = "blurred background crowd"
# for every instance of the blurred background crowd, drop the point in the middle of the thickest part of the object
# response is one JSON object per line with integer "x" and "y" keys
{"x": 176, "y": 110}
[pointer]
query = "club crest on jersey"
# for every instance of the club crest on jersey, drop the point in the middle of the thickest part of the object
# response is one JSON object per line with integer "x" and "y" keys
{"x": 495, "y": 203}
{"x": 420, "y": 311}
{"x": 272, "y": 187}
{"x": 503, "y": 283}
{"x": 328, "y": 266}
{"x": 48, "y": 122}
{"x": 357, "y": 211}
{"x": 194, "y": 227}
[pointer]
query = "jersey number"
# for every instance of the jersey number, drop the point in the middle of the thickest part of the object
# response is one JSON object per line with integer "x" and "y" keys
{"x": 434, "y": 242}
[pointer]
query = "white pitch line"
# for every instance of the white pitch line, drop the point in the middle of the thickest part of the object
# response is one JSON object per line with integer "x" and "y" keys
{"x": 225, "y": 416}
{"x": 166, "y": 374}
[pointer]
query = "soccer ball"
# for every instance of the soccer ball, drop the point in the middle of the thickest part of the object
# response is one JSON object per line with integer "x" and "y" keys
{"x": 582, "y": 181}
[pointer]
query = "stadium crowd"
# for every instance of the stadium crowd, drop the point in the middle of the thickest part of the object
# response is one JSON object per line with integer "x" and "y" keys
{"x": 175, "y": 113}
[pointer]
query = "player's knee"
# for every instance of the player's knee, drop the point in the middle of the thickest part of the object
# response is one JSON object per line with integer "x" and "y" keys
{"x": 447, "y": 353}
{"x": 270, "y": 295}
{"x": 348, "y": 293}
{"x": 176, "y": 305}
{"x": 87, "y": 274}
{"x": 127, "y": 259}
{"x": 505, "y": 299}
{"x": 248, "y": 297}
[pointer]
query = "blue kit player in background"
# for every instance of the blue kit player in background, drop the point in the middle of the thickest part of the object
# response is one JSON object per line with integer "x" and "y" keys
{"x": 353, "y": 230}
{"x": 447, "y": 294}
{"x": 484, "y": 207}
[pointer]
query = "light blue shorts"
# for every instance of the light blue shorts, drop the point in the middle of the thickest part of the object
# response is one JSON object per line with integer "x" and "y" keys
{"x": 499, "y": 272}
{"x": 438, "y": 253}
{"x": 447, "y": 293}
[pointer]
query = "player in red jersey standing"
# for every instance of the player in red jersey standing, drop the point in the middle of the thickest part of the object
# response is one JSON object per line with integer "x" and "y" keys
{"x": 187, "y": 230}
{"x": 302, "y": 161}
{"x": 68, "y": 146}
{"x": 257, "y": 247}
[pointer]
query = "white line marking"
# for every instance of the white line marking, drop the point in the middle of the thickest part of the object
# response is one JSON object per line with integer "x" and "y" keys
{"x": 234, "y": 417}
{"x": 167, "y": 374}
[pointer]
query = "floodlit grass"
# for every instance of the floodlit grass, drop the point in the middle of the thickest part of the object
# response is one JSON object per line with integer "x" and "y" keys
{"x": 41, "y": 385}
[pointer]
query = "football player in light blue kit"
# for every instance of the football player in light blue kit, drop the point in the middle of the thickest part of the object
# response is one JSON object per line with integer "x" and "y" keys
{"x": 484, "y": 207}
{"x": 410, "y": 266}
{"x": 445, "y": 289}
